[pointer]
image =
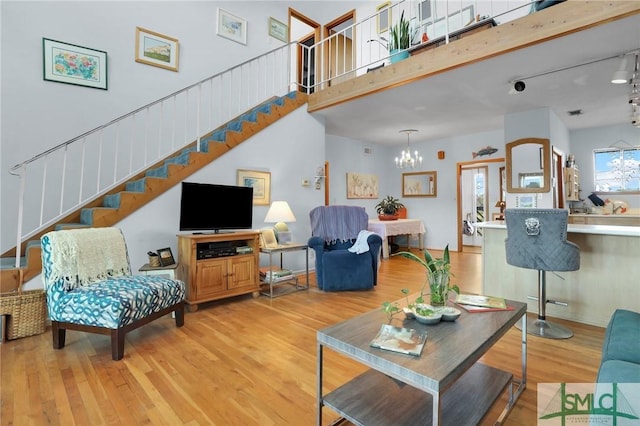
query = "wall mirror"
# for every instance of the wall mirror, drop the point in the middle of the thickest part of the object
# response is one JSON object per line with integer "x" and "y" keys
{"x": 420, "y": 184}
{"x": 528, "y": 165}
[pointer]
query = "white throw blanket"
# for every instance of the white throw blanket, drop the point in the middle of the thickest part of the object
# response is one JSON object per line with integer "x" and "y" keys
{"x": 82, "y": 256}
{"x": 361, "y": 245}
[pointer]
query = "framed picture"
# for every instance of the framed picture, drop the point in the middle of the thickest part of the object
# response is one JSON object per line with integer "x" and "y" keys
{"x": 166, "y": 257}
{"x": 232, "y": 27}
{"x": 278, "y": 30}
{"x": 261, "y": 184}
{"x": 156, "y": 49}
{"x": 361, "y": 185}
{"x": 420, "y": 184}
{"x": 383, "y": 17}
{"x": 72, "y": 64}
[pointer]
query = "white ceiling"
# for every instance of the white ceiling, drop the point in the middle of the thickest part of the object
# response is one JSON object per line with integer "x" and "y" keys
{"x": 475, "y": 98}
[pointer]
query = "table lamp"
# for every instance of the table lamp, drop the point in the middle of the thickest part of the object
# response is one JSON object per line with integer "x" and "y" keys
{"x": 279, "y": 213}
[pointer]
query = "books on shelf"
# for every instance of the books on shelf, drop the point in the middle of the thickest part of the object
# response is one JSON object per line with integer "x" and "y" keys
{"x": 481, "y": 303}
{"x": 275, "y": 274}
{"x": 402, "y": 340}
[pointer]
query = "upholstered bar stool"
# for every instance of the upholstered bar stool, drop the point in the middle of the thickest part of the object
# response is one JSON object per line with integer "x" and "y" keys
{"x": 537, "y": 239}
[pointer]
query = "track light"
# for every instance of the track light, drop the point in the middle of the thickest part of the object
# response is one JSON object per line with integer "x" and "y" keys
{"x": 622, "y": 75}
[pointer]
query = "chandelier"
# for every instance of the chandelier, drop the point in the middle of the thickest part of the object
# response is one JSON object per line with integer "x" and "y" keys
{"x": 407, "y": 159}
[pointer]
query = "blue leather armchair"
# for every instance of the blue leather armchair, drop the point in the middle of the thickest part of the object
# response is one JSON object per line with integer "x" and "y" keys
{"x": 334, "y": 230}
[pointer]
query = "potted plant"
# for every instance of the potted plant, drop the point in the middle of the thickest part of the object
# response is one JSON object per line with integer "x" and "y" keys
{"x": 387, "y": 209}
{"x": 400, "y": 40}
{"x": 438, "y": 277}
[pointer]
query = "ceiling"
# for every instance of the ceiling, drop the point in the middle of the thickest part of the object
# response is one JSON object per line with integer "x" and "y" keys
{"x": 475, "y": 98}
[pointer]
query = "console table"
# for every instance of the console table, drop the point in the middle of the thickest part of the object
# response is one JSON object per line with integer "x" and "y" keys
{"x": 386, "y": 228}
{"x": 447, "y": 385}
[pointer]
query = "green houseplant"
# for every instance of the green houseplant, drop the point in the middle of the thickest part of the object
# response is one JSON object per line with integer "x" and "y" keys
{"x": 388, "y": 207}
{"x": 400, "y": 39}
{"x": 438, "y": 275}
{"x": 438, "y": 278}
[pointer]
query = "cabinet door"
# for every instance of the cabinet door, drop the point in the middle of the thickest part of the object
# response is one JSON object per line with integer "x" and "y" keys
{"x": 211, "y": 277}
{"x": 242, "y": 272}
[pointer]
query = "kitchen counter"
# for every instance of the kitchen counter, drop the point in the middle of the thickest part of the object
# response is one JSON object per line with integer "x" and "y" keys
{"x": 624, "y": 219}
{"x": 608, "y": 277}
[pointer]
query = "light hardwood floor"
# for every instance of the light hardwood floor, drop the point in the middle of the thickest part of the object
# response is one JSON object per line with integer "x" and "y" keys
{"x": 245, "y": 361}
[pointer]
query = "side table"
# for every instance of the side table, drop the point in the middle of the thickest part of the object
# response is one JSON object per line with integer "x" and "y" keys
{"x": 281, "y": 249}
{"x": 168, "y": 271}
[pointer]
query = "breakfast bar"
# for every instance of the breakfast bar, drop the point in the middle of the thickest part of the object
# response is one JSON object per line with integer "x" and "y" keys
{"x": 608, "y": 278}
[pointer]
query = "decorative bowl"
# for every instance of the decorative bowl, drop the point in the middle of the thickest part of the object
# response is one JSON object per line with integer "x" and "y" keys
{"x": 433, "y": 317}
{"x": 450, "y": 314}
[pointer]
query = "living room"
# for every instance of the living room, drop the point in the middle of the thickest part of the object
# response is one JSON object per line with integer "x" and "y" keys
{"x": 291, "y": 151}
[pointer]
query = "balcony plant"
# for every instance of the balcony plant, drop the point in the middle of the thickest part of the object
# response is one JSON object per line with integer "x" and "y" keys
{"x": 400, "y": 40}
{"x": 388, "y": 207}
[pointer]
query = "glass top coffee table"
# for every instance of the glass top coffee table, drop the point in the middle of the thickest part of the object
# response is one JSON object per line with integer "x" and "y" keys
{"x": 447, "y": 385}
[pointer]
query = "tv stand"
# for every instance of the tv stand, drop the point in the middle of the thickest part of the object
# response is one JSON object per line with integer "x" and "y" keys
{"x": 208, "y": 276}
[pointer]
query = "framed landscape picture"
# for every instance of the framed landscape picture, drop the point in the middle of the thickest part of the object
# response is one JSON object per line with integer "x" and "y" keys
{"x": 73, "y": 64}
{"x": 156, "y": 49}
{"x": 261, "y": 184}
{"x": 232, "y": 27}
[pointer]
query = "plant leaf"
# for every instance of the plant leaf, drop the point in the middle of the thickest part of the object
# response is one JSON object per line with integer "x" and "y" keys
{"x": 411, "y": 256}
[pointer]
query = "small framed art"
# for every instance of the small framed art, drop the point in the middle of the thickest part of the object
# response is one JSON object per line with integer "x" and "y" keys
{"x": 278, "y": 30}
{"x": 73, "y": 64}
{"x": 166, "y": 257}
{"x": 232, "y": 27}
{"x": 261, "y": 184}
{"x": 156, "y": 49}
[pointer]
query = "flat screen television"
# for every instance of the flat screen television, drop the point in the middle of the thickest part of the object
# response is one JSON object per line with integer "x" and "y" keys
{"x": 209, "y": 207}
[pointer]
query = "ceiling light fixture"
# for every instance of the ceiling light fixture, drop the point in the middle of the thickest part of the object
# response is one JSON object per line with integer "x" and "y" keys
{"x": 622, "y": 75}
{"x": 407, "y": 159}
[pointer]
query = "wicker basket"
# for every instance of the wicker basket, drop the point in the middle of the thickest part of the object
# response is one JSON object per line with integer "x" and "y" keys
{"x": 26, "y": 312}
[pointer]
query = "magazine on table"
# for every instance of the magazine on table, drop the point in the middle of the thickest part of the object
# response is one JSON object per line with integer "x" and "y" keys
{"x": 402, "y": 340}
{"x": 482, "y": 301}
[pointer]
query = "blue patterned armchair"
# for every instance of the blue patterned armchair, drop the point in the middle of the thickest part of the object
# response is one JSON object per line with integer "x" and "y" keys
{"x": 341, "y": 261}
{"x": 89, "y": 287}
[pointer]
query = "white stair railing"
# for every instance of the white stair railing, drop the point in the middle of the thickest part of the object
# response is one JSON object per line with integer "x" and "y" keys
{"x": 359, "y": 47}
{"x": 90, "y": 165}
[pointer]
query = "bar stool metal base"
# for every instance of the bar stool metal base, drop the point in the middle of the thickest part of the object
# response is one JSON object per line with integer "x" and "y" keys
{"x": 544, "y": 328}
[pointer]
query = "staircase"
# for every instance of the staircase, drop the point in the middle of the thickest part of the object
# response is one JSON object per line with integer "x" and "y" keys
{"x": 128, "y": 197}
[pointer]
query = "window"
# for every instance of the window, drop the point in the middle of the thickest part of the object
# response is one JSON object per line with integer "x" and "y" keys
{"x": 617, "y": 170}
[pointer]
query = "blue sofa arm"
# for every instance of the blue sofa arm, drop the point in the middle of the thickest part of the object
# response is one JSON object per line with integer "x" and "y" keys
{"x": 621, "y": 349}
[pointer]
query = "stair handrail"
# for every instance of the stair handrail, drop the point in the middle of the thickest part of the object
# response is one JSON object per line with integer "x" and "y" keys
{"x": 280, "y": 82}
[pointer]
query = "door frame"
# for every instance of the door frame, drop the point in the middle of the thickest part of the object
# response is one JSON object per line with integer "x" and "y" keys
{"x": 315, "y": 34}
{"x": 350, "y": 15}
{"x": 459, "y": 167}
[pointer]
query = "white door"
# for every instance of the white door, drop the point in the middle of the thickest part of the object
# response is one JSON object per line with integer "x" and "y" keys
{"x": 474, "y": 202}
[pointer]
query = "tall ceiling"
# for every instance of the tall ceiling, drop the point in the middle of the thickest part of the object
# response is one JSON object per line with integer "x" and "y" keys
{"x": 476, "y": 98}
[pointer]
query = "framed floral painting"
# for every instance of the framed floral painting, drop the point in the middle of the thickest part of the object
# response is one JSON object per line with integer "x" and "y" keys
{"x": 73, "y": 64}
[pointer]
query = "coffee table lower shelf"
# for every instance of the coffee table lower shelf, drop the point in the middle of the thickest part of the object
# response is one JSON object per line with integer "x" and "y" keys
{"x": 374, "y": 398}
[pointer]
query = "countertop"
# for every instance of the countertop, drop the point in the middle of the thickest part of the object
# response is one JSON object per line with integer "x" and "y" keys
{"x": 605, "y": 215}
{"x": 625, "y": 231}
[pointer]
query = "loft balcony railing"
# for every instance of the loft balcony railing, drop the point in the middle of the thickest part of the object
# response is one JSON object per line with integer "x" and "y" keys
{"x": 60, "y": 180}
{"x": 362, "y": 46}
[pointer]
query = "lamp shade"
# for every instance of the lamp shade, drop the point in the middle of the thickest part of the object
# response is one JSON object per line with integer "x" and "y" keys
{"x": 279, "y": 212}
